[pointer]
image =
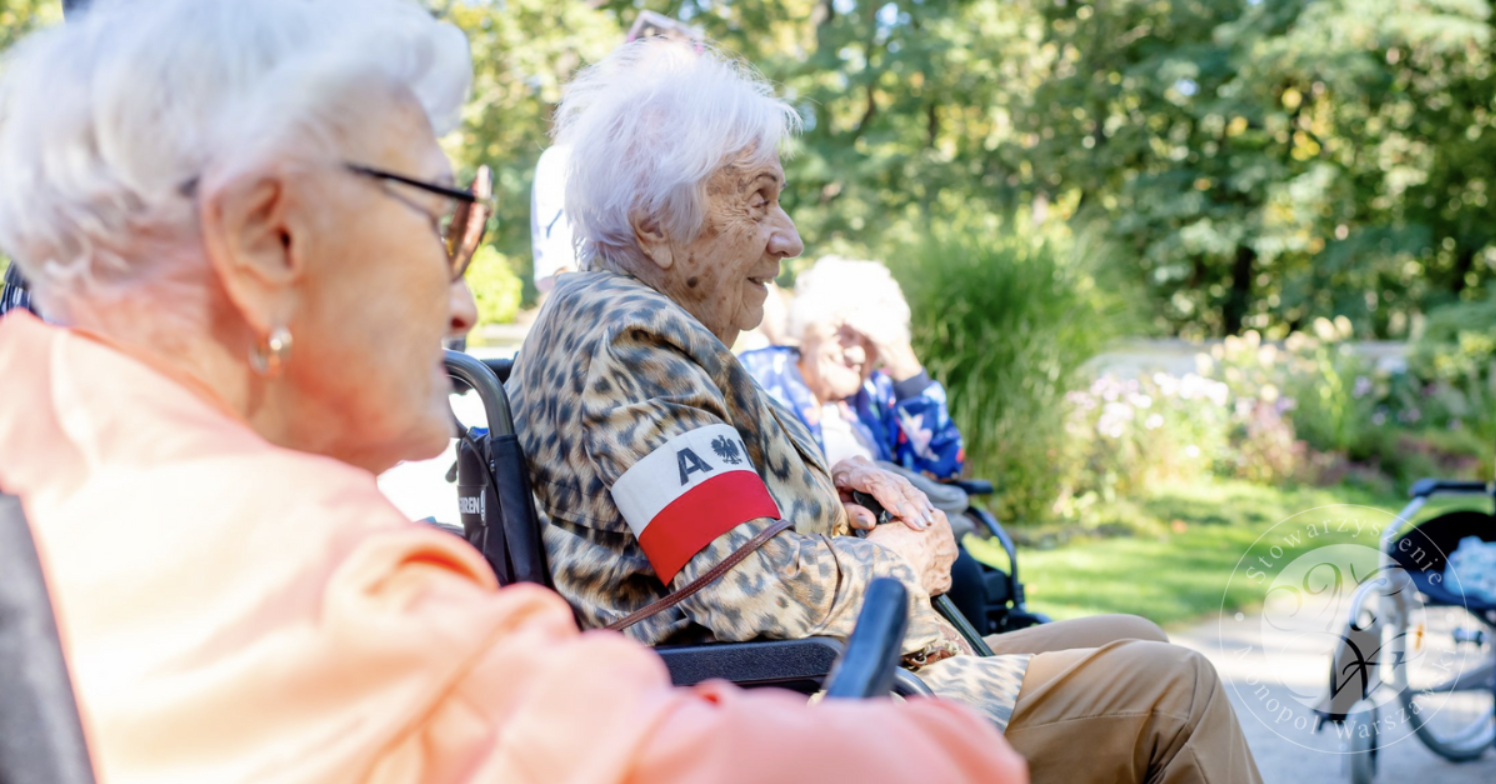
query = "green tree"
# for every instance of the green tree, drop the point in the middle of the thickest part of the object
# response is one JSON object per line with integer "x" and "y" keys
{"x": 523, "y": 52}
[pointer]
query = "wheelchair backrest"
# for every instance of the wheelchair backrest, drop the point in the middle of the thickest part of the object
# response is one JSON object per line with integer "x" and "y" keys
{"x": 493, "y": 480}
{"x": 41, "y": 738}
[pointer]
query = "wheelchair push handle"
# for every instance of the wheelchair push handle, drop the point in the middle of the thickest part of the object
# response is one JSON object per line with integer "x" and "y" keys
{"x": 477, "y": 376}
{"x": 866, "y": 668}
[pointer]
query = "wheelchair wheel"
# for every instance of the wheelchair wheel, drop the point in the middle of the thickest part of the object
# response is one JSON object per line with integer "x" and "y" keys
{"x": 1362, "y": 755}
{"x": 1451, "y": 697}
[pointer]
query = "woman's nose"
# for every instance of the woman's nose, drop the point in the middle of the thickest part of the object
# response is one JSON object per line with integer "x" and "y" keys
{"x": 785, "y": 242}
{"x": 464, "y": 310}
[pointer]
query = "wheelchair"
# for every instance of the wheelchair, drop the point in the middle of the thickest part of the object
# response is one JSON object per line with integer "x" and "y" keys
{"x": 1450, "y": 704}
{"x": 498, "y": 517}
{"x": 1007, "y": 608}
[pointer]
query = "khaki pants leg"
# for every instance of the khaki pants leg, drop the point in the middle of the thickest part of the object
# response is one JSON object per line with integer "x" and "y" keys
{"x": 1129, "y": 711}
{"x": 1091, "y": 632}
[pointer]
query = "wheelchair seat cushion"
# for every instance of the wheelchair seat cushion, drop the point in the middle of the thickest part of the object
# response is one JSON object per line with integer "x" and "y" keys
{"x": 1424, "y": 552}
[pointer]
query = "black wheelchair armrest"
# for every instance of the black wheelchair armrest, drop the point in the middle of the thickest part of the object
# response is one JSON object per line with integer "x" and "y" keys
{"x": 758, "y": 663}
{"x": 1424, "y": 488}
{"x": 972, "y": 487}
{"x": 872, "y": 657}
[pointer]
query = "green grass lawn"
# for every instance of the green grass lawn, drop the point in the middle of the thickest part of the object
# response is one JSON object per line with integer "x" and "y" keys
{"x": 1208, "y": 530}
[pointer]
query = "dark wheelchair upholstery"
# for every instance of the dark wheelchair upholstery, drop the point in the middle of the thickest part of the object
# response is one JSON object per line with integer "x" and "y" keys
{"x": 41, "y": 737}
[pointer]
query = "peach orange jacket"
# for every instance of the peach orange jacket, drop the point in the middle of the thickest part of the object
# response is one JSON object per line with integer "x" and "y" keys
{"x": 238, "y": 612}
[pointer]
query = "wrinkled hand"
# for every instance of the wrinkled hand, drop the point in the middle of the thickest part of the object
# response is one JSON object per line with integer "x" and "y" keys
{"x": 931, "y": 551}
{"x": 887, "y": 345}
{"x": 898, "y": 495}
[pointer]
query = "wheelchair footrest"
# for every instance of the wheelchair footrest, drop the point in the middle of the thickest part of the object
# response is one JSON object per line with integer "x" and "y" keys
{"x": 756, "y": 663}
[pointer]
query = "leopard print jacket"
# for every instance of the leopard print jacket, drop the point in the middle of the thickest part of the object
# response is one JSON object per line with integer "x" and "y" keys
{"x": 612, "y": 370}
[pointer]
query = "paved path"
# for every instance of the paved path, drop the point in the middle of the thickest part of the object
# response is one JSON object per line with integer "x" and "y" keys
{"x": 1287, "y": 749}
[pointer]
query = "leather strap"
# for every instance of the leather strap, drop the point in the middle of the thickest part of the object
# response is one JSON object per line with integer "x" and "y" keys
{"x": 722, "y": 567}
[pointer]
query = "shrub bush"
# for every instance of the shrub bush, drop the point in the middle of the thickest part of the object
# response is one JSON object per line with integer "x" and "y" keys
{"x": 495, "y": 287}
{"x": 1004, "y": 315}
{"x": 1123, "y": 435}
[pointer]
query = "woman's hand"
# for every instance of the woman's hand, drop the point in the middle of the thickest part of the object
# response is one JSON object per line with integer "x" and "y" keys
{"x": 931, "y": 551}
{"x": 898, "y": 360}
{"x": 897, "y": 494}
{"x": 889, "y": 347}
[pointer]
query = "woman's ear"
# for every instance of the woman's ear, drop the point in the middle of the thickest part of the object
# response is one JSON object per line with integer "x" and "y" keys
{"x": 652, "y": 240}
{"x": 248, "y": 236}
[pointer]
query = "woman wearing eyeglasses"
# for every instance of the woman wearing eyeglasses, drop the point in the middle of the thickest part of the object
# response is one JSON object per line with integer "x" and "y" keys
{"x": 248, "y": 246}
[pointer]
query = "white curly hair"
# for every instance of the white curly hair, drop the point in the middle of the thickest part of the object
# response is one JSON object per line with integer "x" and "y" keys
{"x": 648, "y": 127}
{"x": 107, "y": 122}
{"x": 862, "y": 294}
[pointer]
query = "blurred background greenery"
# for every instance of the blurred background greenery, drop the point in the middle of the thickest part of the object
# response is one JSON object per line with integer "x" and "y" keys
{"x": 1274, "y": 182}
{"x": 1255, "y": 163}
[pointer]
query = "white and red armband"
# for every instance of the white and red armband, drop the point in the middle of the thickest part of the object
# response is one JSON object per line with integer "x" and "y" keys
{"x": 691, "y": 490}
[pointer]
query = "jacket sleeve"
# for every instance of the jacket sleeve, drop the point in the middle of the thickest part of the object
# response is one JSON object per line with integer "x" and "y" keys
{"x": 497, "y": 685}
{"x": 927, "y": 440}
{"x": 795, "y": 585}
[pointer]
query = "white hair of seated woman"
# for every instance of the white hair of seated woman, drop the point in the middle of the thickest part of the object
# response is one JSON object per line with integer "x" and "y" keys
{"x": 97, "y": 192}
{"x": 648, "y": 126}
{"x": 860, "y": 294}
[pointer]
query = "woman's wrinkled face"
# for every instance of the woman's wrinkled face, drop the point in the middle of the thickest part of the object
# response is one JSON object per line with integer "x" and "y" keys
{"x": 377, "y": 300}
{"x": 833, "y": 361}
{"x": 722, "y": 276}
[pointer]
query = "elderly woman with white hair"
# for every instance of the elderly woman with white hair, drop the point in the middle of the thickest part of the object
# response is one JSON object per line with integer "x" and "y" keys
{"x": 854, "y": 381}
{"x": 245, "y": 237}
{"x": 686, "y": 505}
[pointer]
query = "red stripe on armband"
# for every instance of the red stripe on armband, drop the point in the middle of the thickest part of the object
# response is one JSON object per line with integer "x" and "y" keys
{"x": 689, "y": 491}
{"x": 702, "y": 514}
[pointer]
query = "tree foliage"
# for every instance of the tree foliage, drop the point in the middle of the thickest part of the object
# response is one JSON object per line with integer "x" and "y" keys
{"x": 1260, "y": 163}
{"x": 1264, "y": 162}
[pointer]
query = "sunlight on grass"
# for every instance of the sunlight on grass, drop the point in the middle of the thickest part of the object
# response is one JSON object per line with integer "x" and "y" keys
{"x": 1210, "y": 529}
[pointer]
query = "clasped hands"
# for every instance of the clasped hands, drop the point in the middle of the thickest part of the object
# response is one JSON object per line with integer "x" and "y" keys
{"x": 924, "y": 538}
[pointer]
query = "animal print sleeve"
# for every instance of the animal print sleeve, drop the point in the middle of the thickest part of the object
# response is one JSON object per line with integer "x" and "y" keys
{"x": 693, "y": 490}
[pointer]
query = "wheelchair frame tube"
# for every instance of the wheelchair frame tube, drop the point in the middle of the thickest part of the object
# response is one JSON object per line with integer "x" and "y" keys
{"x": 482, "y": 380}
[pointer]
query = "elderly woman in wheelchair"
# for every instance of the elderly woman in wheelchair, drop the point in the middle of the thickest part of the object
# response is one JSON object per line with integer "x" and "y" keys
{"x": 659, "y": 460}
{"x": 240, "y": 225}
{"x": 853, "y": 380}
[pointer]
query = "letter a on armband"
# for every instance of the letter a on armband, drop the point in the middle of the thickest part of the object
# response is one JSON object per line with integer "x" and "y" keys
{"x": 691, "y": 490}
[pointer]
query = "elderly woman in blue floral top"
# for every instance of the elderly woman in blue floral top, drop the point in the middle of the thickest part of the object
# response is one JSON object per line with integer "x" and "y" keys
{"x": 854, "y": 381}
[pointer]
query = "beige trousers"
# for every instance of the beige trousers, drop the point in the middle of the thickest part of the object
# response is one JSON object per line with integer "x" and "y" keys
{"x": 1108, "y": 700}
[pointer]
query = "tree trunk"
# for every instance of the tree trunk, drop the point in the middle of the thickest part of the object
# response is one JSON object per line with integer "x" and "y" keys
{"x": 1234, "y": 311}
{"x": 1463, "y": 263}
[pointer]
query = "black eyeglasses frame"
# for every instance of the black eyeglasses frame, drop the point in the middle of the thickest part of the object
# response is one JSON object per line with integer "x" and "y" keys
{"x": 460, "y": 249}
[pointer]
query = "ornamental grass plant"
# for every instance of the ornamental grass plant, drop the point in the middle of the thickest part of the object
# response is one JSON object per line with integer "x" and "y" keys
{"x": 1005, "y": 314}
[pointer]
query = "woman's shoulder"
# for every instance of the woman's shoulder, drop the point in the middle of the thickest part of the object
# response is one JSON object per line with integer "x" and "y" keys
{"x": 600, "y": 297}
{"x": 615, "y": 318}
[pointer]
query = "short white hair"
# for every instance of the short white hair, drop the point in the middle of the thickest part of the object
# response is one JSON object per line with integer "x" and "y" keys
{"x": 861, "y": 294}
{"x": 109, "y": 121}
{"x": 648, "y": 127}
